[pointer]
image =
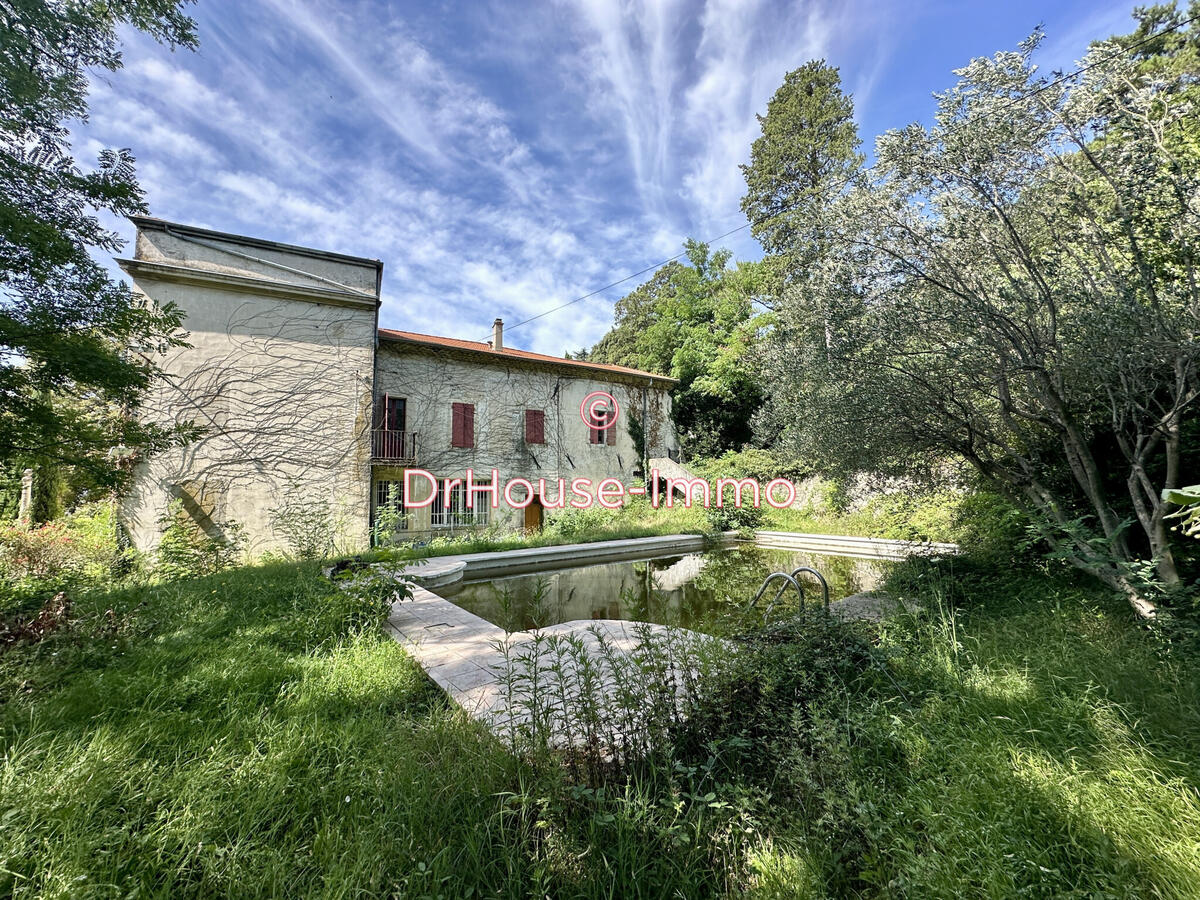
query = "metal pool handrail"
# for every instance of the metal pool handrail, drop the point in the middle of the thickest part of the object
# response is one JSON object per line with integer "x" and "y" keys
{"x": 788, "y": 579}
{"x": 793, "y": 580}
{"x": 800, "y": 570}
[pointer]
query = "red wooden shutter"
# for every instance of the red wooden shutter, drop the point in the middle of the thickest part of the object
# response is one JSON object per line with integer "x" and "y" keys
{"x": 456, "y": 425}
{"x": 611, "y": 434}
{"x": 535, "y": 426}
{"x": 381, "y": 412}
{"x": 462, "y": 425}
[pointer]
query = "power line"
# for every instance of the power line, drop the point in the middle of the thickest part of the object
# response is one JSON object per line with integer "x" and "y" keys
{"x": 649, "y": 268}
{"x": 1012, "y": 101}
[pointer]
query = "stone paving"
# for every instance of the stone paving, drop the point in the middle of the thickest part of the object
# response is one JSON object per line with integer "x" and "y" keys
{"x": 465, "y": 655}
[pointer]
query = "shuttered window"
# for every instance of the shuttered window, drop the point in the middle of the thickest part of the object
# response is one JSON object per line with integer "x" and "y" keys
{"x": 604, "y": 435}
{"x": 535, "y": 426}
{"x": 462, "y": 425}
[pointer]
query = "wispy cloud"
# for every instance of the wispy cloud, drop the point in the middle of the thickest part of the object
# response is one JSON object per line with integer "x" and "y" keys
{"x": 500, "y": 159}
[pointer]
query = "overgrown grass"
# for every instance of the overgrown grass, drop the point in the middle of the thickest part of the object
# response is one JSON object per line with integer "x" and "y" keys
{"x": 240, "y": 735}
{"x": 254, "y": 733}
{"x": 1053, "y": 751}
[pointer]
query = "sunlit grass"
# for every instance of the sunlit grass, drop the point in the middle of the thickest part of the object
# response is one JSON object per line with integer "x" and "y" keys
{"x": 241, "y": 736}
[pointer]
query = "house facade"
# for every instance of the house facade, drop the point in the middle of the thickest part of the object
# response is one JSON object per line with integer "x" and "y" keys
{"x": 313, "y": 416}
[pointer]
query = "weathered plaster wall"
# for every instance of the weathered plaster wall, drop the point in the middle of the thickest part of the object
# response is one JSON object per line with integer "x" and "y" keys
{"x": 501, "y": 390}
{"x": 279, "y": 374}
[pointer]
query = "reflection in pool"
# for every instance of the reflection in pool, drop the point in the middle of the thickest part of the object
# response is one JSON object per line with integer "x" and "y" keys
{"x": 694, "y": 591}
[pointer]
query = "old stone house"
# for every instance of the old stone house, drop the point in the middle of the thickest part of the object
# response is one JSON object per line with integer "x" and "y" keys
{"x": 309, "y": 407}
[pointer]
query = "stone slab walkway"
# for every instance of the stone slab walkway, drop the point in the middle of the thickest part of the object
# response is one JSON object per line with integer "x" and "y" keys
{"x": 466, "y": 655}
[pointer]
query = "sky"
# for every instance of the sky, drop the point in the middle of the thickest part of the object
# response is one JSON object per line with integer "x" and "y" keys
{"x": 504, "y": 158}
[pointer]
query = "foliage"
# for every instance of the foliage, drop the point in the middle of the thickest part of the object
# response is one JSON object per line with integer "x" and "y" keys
{"x": 734, "y": 518}
{"x": 764, "y": 465}
{"x": 371, "y": 590}
{"x": 78, "y": 550}
{"x": 696, "y": 323}
{"x": 306, "y": 522}
{"x": 77, "y": 353}
{"x": 186, "y": 550}
{"x": 1015, "y": 288}
{"x": 1188, "y": 499}
{"x": 806, "y": 155}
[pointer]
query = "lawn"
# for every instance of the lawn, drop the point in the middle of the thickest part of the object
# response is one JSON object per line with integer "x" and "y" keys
{"x": 253, "y": 733}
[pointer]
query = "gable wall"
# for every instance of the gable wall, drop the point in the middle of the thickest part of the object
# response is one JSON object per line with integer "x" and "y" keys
{"x": 281, "y": 385}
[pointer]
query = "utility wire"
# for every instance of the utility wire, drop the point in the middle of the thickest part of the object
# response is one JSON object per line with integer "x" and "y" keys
{"x": 1011, "y": 102}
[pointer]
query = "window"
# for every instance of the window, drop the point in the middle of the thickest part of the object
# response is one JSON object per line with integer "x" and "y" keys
{"x": 390, "y": 514}
{"x": 606, "y": 434}
{"x": 458, "y": 515}
{"x": 392, "y": 413}
{"x": 535, "y": 426}
{"x": 462, "y": 425}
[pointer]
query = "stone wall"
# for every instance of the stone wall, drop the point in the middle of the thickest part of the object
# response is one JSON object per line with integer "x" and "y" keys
{"x": 278, "y": 374}
{"x": 431, "y": 380}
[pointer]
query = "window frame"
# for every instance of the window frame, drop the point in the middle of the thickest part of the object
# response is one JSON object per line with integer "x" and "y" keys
{"x": 604, "y": 436}
{"x": 458, "y": 515}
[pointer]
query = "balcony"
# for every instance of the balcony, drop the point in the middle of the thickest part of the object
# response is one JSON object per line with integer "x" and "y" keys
{"x": 397, "y": 448}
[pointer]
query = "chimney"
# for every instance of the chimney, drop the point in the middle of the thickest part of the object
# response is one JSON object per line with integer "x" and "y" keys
{"x": 498, "y": 334}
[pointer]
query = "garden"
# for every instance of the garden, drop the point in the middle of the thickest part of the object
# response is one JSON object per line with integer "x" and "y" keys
{"x": 983, "y": 332}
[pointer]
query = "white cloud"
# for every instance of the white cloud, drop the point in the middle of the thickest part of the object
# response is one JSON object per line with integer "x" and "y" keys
{"x": 501, "y": 160}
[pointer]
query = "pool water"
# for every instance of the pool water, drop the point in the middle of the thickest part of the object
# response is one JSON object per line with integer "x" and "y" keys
{"x": 697, "y": 590}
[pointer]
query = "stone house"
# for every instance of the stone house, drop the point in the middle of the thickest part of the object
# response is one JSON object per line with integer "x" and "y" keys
{"x": 310, "y": 409}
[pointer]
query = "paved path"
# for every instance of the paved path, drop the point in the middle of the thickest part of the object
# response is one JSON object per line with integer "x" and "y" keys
{"x": 468, "y": 657}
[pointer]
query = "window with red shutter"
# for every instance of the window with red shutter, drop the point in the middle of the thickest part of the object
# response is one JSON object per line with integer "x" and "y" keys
{"x": 603, "y": 435}
{"x": 535, "y": 426}
{"x": 462, "y": 425}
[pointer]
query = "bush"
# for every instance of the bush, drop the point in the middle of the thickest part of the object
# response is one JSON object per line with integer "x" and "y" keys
{"x": 987, "y": 526}
{"x": 572, "y": 522}
{"x": 734, "y": 518}
{"x": 187, "y": 551}
{"x": 79, "y": 549}
{"x": 306, "y": 523}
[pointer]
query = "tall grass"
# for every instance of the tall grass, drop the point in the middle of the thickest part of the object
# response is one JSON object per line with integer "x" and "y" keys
{"x": 254, "y": 733}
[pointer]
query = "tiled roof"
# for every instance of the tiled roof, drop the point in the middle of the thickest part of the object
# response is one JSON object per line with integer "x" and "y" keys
{"x": 432, "y": 340}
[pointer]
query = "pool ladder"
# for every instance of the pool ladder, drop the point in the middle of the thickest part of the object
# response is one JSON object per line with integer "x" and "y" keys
{"x": 791, "y": 580}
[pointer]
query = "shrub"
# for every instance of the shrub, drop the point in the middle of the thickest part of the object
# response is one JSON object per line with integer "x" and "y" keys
{"x": 371, "y": 591}
{"x": 734, "y": 518}
{"x": 81, "y": 548}
{"x": 306, "y": 522}
{"x": 34, "y": 553}
{"x": 988, "y": 526}
{"x": 187, "y": 551}
{"x": 573, "y": 522}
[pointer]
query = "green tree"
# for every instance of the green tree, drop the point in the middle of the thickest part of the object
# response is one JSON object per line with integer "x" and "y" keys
{"x": 806, "y": 155}
{"x": 697, "y": 323}
{"x": 76, "y": 351}
{"x": 1016, "y": 287}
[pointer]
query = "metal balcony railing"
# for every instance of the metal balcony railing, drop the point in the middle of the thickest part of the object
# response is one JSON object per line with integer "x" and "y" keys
{"x": 394, "y": 446}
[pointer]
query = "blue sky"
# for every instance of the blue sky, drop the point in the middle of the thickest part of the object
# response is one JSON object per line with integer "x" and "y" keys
{"x": 503, "y": 158}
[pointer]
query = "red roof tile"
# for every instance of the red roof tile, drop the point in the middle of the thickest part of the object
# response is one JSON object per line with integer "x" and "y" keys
{"x": 432, "y": 340}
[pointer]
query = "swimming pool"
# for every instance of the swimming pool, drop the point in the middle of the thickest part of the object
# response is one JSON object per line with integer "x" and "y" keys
{"x": 695, "y": 590}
